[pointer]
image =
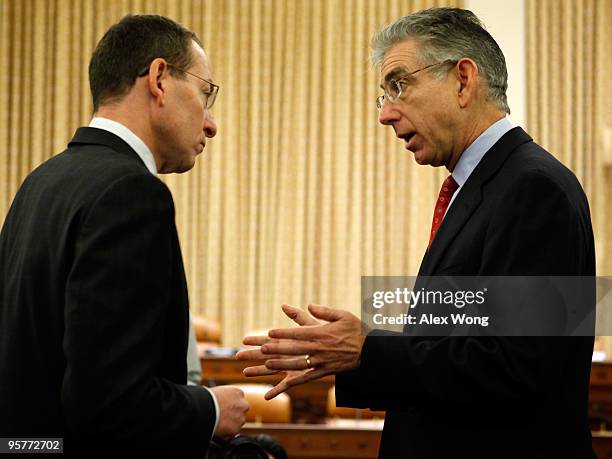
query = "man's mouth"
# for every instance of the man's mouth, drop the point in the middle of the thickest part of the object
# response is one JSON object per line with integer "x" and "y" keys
{"x": 407, "y": 137}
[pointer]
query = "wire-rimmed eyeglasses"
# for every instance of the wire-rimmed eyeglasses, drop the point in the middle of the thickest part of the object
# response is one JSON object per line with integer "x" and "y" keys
{"x": 395, "y": 88}
{"x": 211, "y": 95}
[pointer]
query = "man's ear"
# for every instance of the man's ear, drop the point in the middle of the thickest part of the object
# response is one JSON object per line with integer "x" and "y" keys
{"x": 158, "y": 79}
{"x": 466, "y": 72}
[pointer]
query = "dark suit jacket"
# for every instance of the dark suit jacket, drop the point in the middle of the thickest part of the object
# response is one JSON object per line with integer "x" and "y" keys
{"x": 521, "y": 212}
{"x": 94, "y": 309}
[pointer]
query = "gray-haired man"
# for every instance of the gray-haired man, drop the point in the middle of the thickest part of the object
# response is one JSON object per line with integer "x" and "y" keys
{"x": 508, "y": 208}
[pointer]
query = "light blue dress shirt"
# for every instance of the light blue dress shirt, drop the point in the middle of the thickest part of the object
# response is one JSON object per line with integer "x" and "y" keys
{"x": 474, "y": 153}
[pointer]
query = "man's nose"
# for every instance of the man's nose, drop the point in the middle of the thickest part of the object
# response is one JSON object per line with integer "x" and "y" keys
{"x": 210, "y": 127}
{"x": 387, "y": 114}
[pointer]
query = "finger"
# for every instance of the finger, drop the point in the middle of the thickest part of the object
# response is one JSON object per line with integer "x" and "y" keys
{"x": 276, "y": 390}
{"x": 289, "y": 364}
{"x": 251, "y": 354}
{"x": 311, "y": 375}
{"x": 303, "y": 333}
{"x": 289, "y": 382}
{"x": 288, "y": 348}
{"x": 325, "y": 313}
{"x": 255, "y": 340}
{"x": 299, "y": 316}
{"x": 259, "y": 370}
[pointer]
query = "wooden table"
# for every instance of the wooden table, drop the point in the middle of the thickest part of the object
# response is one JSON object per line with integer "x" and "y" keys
{"x": 600, "y": 396}
{"x": 345, "y": 440}
{"x": 309, "y": 403}
{"x": 602, "y": 444}
{"x": 355, "y": 439}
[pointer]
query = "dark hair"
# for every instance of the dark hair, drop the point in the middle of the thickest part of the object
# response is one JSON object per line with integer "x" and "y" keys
{"x": 129, "y": 46}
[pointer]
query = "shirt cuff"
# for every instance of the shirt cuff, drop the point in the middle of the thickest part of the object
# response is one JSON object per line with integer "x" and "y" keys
{"x": 216, "y": 410}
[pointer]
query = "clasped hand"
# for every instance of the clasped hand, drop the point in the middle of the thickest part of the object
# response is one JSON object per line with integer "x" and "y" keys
{"x": 330, "y": 345}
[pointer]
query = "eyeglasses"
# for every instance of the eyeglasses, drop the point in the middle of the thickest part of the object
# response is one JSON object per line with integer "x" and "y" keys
{"x": 211, "y": 95}
{"x": 396, "y": 87}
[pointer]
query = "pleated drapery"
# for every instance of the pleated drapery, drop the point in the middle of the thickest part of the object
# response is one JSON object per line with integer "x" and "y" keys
{"x": 302, "y": 191}
{"x": 569, "y": 91}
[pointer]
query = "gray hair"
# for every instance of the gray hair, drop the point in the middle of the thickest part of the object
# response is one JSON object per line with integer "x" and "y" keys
{"x": 449, "y": 34}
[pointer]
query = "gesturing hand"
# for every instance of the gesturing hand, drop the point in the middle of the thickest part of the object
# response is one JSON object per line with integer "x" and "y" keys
{"x": 308, "y": 352}
{"x": 300, "y": 317}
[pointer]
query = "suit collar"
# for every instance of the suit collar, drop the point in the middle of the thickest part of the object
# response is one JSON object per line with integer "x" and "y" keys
{"x": 470, "y": 197}
{"x": 130, "y": 137}
{"x": 95, "y": 136}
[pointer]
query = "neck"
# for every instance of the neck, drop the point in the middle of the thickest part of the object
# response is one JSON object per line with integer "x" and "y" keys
{"x": 132, "y": 118}
{"x": 472, "y": 130}
{"x": 120, "y": 115}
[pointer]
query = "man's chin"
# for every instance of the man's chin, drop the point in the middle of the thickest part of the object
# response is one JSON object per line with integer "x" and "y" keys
{"x": 420, "y": 158}
{"x": 423, "y": 158}
{"x": 185, "y": 166}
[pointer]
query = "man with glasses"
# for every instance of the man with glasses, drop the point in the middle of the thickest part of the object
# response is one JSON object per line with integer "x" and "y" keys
{"x": 508, "y": 208}
{"x": 93, "y": 297}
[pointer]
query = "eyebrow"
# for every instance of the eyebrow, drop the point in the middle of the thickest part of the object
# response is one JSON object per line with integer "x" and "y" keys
{"x": 395, "y": 74}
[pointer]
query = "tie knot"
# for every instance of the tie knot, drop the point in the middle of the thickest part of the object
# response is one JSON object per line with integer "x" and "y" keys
{"x": 449, "y": 187}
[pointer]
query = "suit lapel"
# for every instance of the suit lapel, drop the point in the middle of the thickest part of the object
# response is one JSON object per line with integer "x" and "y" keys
{"x": 95, "y": 136}
{"x": 470, "y": 197}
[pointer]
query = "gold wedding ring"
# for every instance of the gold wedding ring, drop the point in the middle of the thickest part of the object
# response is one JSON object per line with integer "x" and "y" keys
{"x": 308, "y": 362}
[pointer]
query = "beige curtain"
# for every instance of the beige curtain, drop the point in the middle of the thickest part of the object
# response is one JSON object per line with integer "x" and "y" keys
{"x": 569, "y": 109}
{"x": 302, "y": 191}
{"x": 569, "y": 94}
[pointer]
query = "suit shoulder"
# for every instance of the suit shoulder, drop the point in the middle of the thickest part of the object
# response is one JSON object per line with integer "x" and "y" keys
{"x": 532, "y": 178}
{"x": 531, "y": 165}
{"x": 89, "y": 170}
{"x": 531, "y": 158}
{"x": 96, "y": 161}
{"x": 74, "y": 181}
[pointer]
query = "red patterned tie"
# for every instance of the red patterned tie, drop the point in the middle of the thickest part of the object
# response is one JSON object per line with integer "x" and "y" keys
{"x": 446, "y": 193}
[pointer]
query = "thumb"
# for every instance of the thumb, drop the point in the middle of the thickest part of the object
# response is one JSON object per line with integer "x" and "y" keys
{"x": 325, "y": 313}
{"x": 299, "y": 316}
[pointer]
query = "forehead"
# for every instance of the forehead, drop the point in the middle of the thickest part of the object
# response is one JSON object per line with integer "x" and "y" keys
{"x": 401, "y": 58}
{"x": 201, "y": 63}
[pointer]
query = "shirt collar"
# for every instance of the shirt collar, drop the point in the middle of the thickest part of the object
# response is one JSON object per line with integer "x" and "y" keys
{"x": 128, "y": 137}
{"x": 478, "y": 148}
